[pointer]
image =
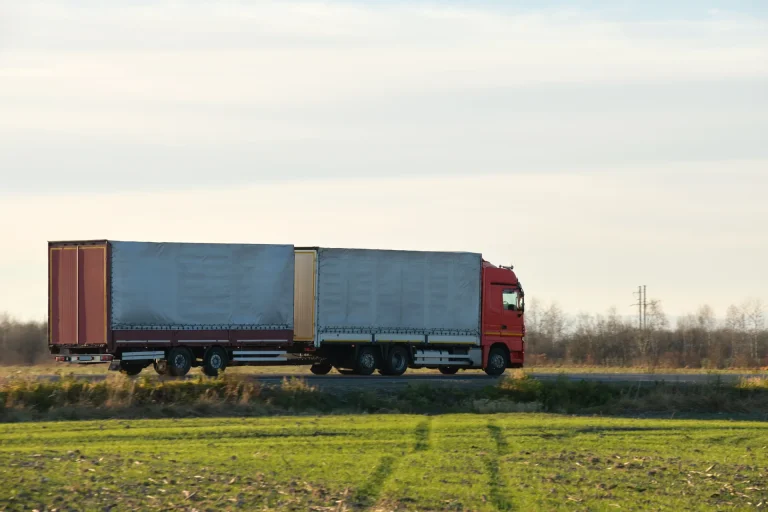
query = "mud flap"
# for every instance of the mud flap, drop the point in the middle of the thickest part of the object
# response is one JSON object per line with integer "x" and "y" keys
{"x": 114, "y": 365}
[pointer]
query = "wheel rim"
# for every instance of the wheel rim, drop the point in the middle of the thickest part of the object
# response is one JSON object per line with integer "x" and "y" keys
{"x": 367, "y": 360}
{"x": 180, "y": 361}
{"x": 497, "y": 361}
{"x": 216, "y": 361}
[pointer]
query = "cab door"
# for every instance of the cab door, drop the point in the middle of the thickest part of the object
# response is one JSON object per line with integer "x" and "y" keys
{"x": 511, "y": 327}
{"x": 493, "y": 317}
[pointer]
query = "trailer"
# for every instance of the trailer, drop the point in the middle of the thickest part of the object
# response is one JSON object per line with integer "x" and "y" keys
{"x": 175, "y": 306}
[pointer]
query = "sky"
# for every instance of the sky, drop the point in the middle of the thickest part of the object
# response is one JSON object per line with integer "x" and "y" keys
{"x": 595, "y": 145}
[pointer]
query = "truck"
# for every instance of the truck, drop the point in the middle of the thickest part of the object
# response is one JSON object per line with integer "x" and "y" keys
{"x": 175, "y": 306}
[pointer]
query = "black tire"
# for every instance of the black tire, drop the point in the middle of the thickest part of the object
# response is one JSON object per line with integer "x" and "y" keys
{"x": 161, "y": 366}
{"x": 214, "y": 361}
{"x": 396, "y": 362}
{"x": 497, "y": 362}
{"x": 130, "y": 369}
{"x": 321, "y": 368}
{"x": 366, "y": 361}
{"x": 448, "y": 370}
{"x": 179, "y": 361}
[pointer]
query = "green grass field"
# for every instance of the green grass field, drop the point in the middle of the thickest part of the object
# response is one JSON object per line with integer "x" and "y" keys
{"x": 385, "y": 462}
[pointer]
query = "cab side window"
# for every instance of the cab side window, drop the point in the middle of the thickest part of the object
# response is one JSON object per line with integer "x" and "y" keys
{"x": 510, "y": 300}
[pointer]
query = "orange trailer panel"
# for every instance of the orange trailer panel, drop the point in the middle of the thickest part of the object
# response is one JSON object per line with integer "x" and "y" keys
{"x": 77, "y": 294}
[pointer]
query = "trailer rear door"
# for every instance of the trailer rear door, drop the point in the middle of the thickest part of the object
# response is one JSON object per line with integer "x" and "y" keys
{"x": 77, "y": 294}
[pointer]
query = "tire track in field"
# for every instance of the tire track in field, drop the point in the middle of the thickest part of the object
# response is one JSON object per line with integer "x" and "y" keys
{"x": 368, "y": 494}
{"x": 498, "y": 488}
{"x": 422, "y": 434}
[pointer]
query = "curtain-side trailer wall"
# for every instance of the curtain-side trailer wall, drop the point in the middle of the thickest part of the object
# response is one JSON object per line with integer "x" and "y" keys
{"x": 201, "y": 286}
{"x": 383, "y": 295}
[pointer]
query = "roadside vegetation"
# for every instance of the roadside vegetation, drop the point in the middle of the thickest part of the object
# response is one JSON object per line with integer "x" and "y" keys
{"x": 477, "y": 462}
{"x": 25, "y": 399}
{"x": 698, "y": 342}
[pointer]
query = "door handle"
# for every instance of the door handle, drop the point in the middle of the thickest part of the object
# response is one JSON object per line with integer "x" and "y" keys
{"x": 503, "y": 326}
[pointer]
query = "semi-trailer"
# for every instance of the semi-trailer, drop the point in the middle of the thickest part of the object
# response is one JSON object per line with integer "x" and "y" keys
{"x": 174, "y": 306}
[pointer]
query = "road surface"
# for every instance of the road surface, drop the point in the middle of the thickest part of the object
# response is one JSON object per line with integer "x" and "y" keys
{"x": 468, "y": 379}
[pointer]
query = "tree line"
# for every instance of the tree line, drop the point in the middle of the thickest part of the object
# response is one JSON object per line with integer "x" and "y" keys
{"x": 23, "y": 343}
{"x": 697, "y": 340}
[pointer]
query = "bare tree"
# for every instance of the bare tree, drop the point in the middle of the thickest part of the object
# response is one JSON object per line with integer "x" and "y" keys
{"x": 753, "y": 311}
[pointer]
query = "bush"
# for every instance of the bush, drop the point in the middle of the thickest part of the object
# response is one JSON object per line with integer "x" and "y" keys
{"x": 23, "y": 343}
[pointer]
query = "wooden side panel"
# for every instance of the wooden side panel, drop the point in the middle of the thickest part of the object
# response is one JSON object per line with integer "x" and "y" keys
{"x": 92, "y": 291}
{"x": 304, "y": 296}
{"x": 63, "y": 295}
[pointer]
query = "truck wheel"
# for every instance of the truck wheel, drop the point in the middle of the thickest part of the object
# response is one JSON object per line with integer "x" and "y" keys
{"x": 130, "y": 369}
{"x": 214, "y": 361}
{"x": 320, "y": 368}
{"x": 396, "y": 363}
{"x": 366, "y": 361}
{"x": 161, "y": 366}
{"x": 448, "y": 370}
{"x": 497, "y": 362}
{"x": 179, "y": 361}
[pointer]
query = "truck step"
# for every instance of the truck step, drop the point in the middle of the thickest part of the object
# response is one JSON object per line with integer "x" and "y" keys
{"x": 259, "y": 355}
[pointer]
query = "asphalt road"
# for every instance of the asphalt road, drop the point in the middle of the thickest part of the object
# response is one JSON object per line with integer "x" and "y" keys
{"x": 468, "y": 379}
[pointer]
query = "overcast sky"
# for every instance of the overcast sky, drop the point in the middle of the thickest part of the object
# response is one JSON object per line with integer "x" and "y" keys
{"x": 596, "y": 148}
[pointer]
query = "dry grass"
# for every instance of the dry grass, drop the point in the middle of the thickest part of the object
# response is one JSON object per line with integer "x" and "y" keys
{"x": 755, "y": 383}
{"x": 236, "y": 395}
{"x": 66, "y": 369}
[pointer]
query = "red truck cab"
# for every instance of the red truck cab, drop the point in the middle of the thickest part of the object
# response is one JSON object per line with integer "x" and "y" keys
{"x": 503, "y": 326}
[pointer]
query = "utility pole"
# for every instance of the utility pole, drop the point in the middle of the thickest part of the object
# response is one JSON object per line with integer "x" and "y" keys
{"x": 642, "y": 307}
{"x": 639, "y": 305}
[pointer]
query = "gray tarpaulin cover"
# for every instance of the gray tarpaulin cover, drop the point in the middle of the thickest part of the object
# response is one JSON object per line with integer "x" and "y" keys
{"x": 399, "y": 291}
{"x": 201, "y": 286}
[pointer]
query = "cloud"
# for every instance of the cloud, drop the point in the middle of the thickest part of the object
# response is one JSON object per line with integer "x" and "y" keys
{"x": 595, "y": 149}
